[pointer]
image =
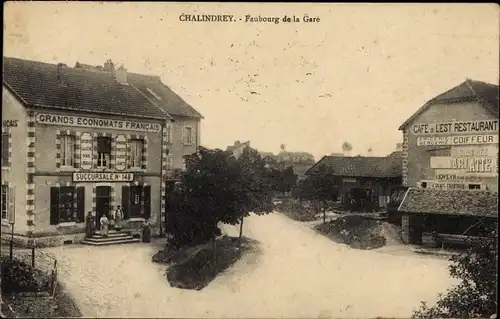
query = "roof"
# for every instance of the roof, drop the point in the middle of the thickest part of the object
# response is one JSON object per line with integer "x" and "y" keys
{"x": 170, "y": 101}
{"x": 450, "y": 202}
{"x": 301, "y": 170}
{"x": 361, "y": 166}
{"x": 485, "y": 93}
{"x": 37, "y": 84}
{"x": 237, "y": 146}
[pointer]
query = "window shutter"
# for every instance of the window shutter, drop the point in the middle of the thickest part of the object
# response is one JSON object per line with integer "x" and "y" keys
{"x": 80, "y": 203}
{"x": 54, "y": 205}
{"x": 11, "y": 200}
{"x": 126, "y": 201}
{"x": 184, "y": 138}
{"x": 147, "y": 201}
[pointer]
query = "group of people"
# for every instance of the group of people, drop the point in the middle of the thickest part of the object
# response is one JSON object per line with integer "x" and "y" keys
{"x": 104, "y": 222}
{"x": 115, "y": 222}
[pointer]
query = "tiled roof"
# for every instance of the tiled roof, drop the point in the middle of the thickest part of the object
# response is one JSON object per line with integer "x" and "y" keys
{"x": 170, "y": 101}
{"x": 360, "y": 166}
{"x": 235, "y": 147}
{"x": 450, "y": 202}
{"x": 37, "y": 85}
{"x": 485, "y": 93}
{"x": 301, "y": 170}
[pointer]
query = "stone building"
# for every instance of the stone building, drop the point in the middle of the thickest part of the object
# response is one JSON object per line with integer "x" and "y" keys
{"x": 82, "y": 140}
{"x": 366, "y": 182}
{"x": 450, "y": 150}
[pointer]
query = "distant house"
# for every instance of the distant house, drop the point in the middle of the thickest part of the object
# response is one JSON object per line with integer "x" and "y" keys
{"x": 299, "y": 161}
{"x": 365, "y": 180}
{"x": 237, "y": 148}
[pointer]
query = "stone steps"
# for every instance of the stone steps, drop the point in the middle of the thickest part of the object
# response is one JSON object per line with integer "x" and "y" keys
{"x": 114, "y": 238}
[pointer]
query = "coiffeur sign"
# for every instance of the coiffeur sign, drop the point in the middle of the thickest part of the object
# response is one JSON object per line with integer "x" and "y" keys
{"x": 92, "y": 122}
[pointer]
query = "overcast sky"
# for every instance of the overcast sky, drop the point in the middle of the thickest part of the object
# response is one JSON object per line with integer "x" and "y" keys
{"x": 356, "y": 75}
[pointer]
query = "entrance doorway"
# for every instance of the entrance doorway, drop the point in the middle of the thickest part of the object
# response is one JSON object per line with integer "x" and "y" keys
{"x": 102, "y": 205}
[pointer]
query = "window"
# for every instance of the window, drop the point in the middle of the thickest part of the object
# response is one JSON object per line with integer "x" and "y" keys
{"x": 135, "y": 157}
{"x": 103, "y": 152}
{"x": 5, "y": 149}
{"x": 67, "y": 150}
{"x": 136, "y": 201}
{"x": 423, "y": 184}
{"x": 474, "y": 186}
{"x": 67, "y": 204}
{"x": 188, "y": 135}
{"x": 7, "y": 202}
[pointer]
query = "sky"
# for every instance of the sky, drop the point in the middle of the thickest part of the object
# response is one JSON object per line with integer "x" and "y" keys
{"x": 354, "y": 76}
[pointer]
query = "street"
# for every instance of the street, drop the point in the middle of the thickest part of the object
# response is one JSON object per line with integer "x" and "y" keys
{"x": 299, "y": 274}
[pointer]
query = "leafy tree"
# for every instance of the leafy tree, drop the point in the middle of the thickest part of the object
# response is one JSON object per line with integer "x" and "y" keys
{"x": 288, "y": 180}
{"x": 321, "y": 187}
{"x": 256, "y": 192}
{"x": 476, "y": 295}
{"x": 209, "y": 195}
{"x": 346, "y": 147}
{"x": 217, "y": 187}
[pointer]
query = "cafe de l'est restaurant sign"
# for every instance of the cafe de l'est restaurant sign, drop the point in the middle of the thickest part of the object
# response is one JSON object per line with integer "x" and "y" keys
{"x": 92, "y": 122}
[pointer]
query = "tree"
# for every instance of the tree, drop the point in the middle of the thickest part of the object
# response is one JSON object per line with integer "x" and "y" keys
{"x": 321, "y": 187}
{"x": 288, "y": 179}
{"x": 209, "y": 195}
{"x": 256, "y": 194}
{"x": 217, "y": 187}
{"x": 346, "y": 147}
{"x": 476, "y": 295}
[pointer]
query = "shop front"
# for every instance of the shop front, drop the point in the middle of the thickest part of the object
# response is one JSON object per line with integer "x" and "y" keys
{"x": 99, "y": 164}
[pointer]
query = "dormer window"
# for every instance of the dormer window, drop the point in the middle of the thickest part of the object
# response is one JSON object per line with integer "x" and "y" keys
{"x": 154, "y": 94}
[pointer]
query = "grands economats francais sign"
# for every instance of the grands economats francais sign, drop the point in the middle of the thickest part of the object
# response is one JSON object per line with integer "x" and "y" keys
{"x": 92, "y": 122}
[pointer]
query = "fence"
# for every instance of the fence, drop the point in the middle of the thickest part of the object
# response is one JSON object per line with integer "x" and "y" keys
{"x": 40, "y": 261}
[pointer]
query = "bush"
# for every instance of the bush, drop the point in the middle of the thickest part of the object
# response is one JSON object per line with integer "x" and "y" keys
{"x": 296, "y": 210}
{"x": 356, "y": 231}
{"x": 476, "y": 295}
{"x": 198, "y": 270}
{"x": 18, "y": 276}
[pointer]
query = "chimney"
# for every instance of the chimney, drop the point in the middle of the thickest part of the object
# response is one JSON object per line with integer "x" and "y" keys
{"x": 109, "y": 66}
{"x": 60, "y": 67}
{"x": 121, "y": 74}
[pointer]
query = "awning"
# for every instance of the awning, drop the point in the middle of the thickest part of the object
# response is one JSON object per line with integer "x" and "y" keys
{"x": 450, "y": 202}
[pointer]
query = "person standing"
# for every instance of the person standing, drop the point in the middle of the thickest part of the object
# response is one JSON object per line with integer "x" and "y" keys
{"x": 118, "y": 218}
{"x": 146, "y": 232}
{"x": 89, "y": 224}
{"x": 104, "y": 225}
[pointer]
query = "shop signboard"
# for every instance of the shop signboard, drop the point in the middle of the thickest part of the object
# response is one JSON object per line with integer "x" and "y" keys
{"x": 94, "y": 122}
{"x": 457, "y": 140}
{"x": 449, "y": 185}
{"x": 456, "y": 127}
{"x": 121, "y": 152}
{"x": 86, "y": 148}
{"x": 102, "y": 177}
